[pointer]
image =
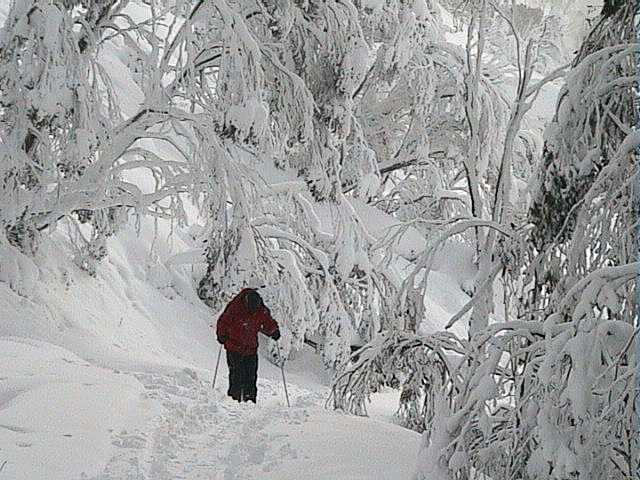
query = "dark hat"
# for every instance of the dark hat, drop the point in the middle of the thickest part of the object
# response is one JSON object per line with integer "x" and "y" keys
{"x": 254, "y": 301}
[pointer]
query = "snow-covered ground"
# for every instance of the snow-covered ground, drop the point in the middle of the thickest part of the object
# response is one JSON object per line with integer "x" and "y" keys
{"x": 110, "y": 378}
{"x": 62, "y": 417}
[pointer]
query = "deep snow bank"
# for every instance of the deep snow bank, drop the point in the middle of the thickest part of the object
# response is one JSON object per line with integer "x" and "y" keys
{"x": 68, "y": 342}
{"x": 57, "y": 411}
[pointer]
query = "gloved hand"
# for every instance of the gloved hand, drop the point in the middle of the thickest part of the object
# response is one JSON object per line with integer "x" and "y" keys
{"x": 276, "y": 335}
{"x": 222, "y": 339}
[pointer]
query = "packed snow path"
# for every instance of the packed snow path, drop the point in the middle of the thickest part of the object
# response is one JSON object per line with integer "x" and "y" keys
{"x": 205, "y": 435}
{"x": 64, "y": 417}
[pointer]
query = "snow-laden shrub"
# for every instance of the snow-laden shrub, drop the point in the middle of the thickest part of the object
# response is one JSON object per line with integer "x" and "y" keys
{"x": 420, "y": 366}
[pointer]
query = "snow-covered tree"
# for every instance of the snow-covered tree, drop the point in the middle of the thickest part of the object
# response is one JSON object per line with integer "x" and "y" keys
{"x": 550, "y": 390}
{"x": 345, "y": 106}
{"x": 55, "y": 111}
{"x": 290, "y": 124}
{"x": 69, "y": 138}
{"x": 581, "y": 268}
{"x": 264, "y": 233}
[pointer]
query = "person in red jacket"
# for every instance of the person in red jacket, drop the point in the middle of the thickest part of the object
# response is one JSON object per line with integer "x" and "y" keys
{"x": 237, "y": 329}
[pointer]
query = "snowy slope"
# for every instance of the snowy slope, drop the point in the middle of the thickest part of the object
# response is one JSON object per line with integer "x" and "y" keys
{"x": 109, "y": 378}
{"x": 81, "y": 421}
{"x": 154, "y": 425}
{"x": 53, "y": 402}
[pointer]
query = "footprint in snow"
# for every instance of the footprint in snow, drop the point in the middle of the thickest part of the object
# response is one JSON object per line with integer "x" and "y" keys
{"x": 202, "y": 434}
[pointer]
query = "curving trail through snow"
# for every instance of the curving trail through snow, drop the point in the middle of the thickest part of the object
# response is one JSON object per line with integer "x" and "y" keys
{"x": 200, "y": 434}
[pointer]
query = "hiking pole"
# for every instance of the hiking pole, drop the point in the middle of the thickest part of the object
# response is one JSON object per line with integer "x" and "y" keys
{"x": 284, "y": 382}
{"x": 215, "y": 375}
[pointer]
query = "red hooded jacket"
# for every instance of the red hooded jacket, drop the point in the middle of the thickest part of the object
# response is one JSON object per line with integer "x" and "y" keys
{"x": 240, "y": 327}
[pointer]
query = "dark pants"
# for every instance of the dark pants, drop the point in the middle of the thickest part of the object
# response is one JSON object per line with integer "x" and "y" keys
{"x": 243, "y": 375}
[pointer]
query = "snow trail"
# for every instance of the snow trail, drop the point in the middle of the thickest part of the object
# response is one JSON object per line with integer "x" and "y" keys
{"x": 202, "y": 434}
{"x": 199, "y": 434}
